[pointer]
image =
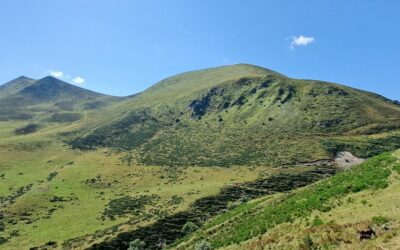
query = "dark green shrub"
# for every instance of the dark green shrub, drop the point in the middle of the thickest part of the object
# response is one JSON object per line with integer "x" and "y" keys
{"x": 137, "y": 245}
{"x": 28, "y": 129}
{"x": 189, "y": 228}
{"x": 379, "y": 220}
{"x": 308, "y": 243}
{"x": 128, "y": 205}
{"x": 396, "y": 167}
{"x": 317, "y": 221}
{"x": 203, "y": 245}
{"x": 52, "y": 175}
{"x": 3, "y": 240}
{"x": 65, "y": 117}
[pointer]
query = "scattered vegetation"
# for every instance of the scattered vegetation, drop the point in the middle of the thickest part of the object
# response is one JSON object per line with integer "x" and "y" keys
{"x": 128, "y": 205}
{"x": 373, "y": 174}
{"x": 364, "y": 148}
{"x": 65, "y": 117}
{"x": 127, "y": 133}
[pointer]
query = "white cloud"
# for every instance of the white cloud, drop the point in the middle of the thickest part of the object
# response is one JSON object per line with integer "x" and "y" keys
{"x": 78, "y": 80}
{"x": 56, "y": 73}
{"x": 301, "y": 41}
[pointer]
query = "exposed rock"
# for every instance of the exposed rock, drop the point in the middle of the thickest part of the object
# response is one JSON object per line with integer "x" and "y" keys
{"x": 346, "y": 160}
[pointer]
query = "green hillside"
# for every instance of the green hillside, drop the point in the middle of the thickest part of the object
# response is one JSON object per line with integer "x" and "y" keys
{"x": 49, "y": 97}
{"x": 243, "y": 115}
{"x": 332, "y": 214}
{"x": 235, "y": 157}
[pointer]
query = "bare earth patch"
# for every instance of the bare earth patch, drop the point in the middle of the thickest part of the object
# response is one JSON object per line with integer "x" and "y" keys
{"x": 346, "y": 160}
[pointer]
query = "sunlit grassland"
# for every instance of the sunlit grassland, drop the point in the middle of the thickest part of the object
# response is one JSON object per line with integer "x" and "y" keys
{"x": 339, "y": 228}
{"x": 30, "y": 159}
{"x": 344, "y": 205}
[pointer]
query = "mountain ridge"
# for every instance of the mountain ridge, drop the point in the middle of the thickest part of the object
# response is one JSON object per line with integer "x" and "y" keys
{"x": 237, "y": 115}
{"x": 24, "y": 98}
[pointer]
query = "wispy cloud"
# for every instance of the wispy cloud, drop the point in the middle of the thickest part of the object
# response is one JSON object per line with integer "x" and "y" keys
{"x": 301, "y": 40}
{"x": 56, "y": 73}
{"x": 78, "y": 80}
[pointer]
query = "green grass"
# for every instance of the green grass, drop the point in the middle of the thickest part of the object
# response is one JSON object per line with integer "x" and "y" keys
{"x": 68, "y": 205}
{"x": 242, "y": 115}
{"x": 241, "y": 226}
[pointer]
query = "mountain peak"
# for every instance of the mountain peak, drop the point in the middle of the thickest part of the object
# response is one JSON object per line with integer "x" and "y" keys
{"x": 22, "y": 78}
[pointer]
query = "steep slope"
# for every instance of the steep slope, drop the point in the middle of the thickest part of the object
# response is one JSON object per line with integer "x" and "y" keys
{"x": 355, "y": 209}
{"x": 243, "y": 115}
{"x": 15, "y": 85}
{"x": 25, "y": 98}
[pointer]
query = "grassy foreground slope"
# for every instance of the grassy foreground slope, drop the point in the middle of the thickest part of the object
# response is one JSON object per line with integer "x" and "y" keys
{"x": 50, "y": 194}
{"x": 327, "y": 215}
{"x": 243, "y": 115}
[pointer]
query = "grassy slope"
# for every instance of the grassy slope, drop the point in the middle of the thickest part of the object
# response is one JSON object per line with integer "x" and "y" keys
{"x": 330, "y": 213}
{"x": 30, "y": 159}
{"x": 239, "y": 115}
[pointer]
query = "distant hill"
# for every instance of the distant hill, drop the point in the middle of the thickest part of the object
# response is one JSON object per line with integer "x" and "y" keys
{"x": 243, "y": 115}
{"x": 25, "y": 99}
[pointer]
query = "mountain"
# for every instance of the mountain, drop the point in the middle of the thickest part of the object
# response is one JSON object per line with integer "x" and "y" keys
{"x": 25, "y": 98}
{"x": 243, "y": 115}
{"x": 15, "y": 85}
{"x": 233, "y": 157}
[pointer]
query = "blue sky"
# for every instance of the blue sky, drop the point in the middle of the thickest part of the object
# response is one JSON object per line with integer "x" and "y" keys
{"x": 121, "y": 47}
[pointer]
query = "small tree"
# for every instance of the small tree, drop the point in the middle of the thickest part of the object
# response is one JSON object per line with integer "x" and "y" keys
{"x": 204, "y": 245}
{"x": 137, "y": 245}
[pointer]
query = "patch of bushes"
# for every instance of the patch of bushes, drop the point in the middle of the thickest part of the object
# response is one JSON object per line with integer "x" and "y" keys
{"x": 396, "y": 167}
{"x": 52, "y": 175}
{"x": 94, "y": 105}
{"x": 317, "y": 221}
{"x": 379, "y": 220}
{"x": 28, "y": 129}
{"x": 127, "y": 133}
{"x": 308, "y": 244}
{"x": 175, "y": 200}
{"x": 128, "y": 205}
{"x": 65, "y": 117}
{"x": 203, "y": 245}
{"x": 364, "y": 149}
{"x": 3, "y": 240}
{"x": 137, "y": 245}
{"x": 10, "y": 199}
{"x": 189, "y": 228}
